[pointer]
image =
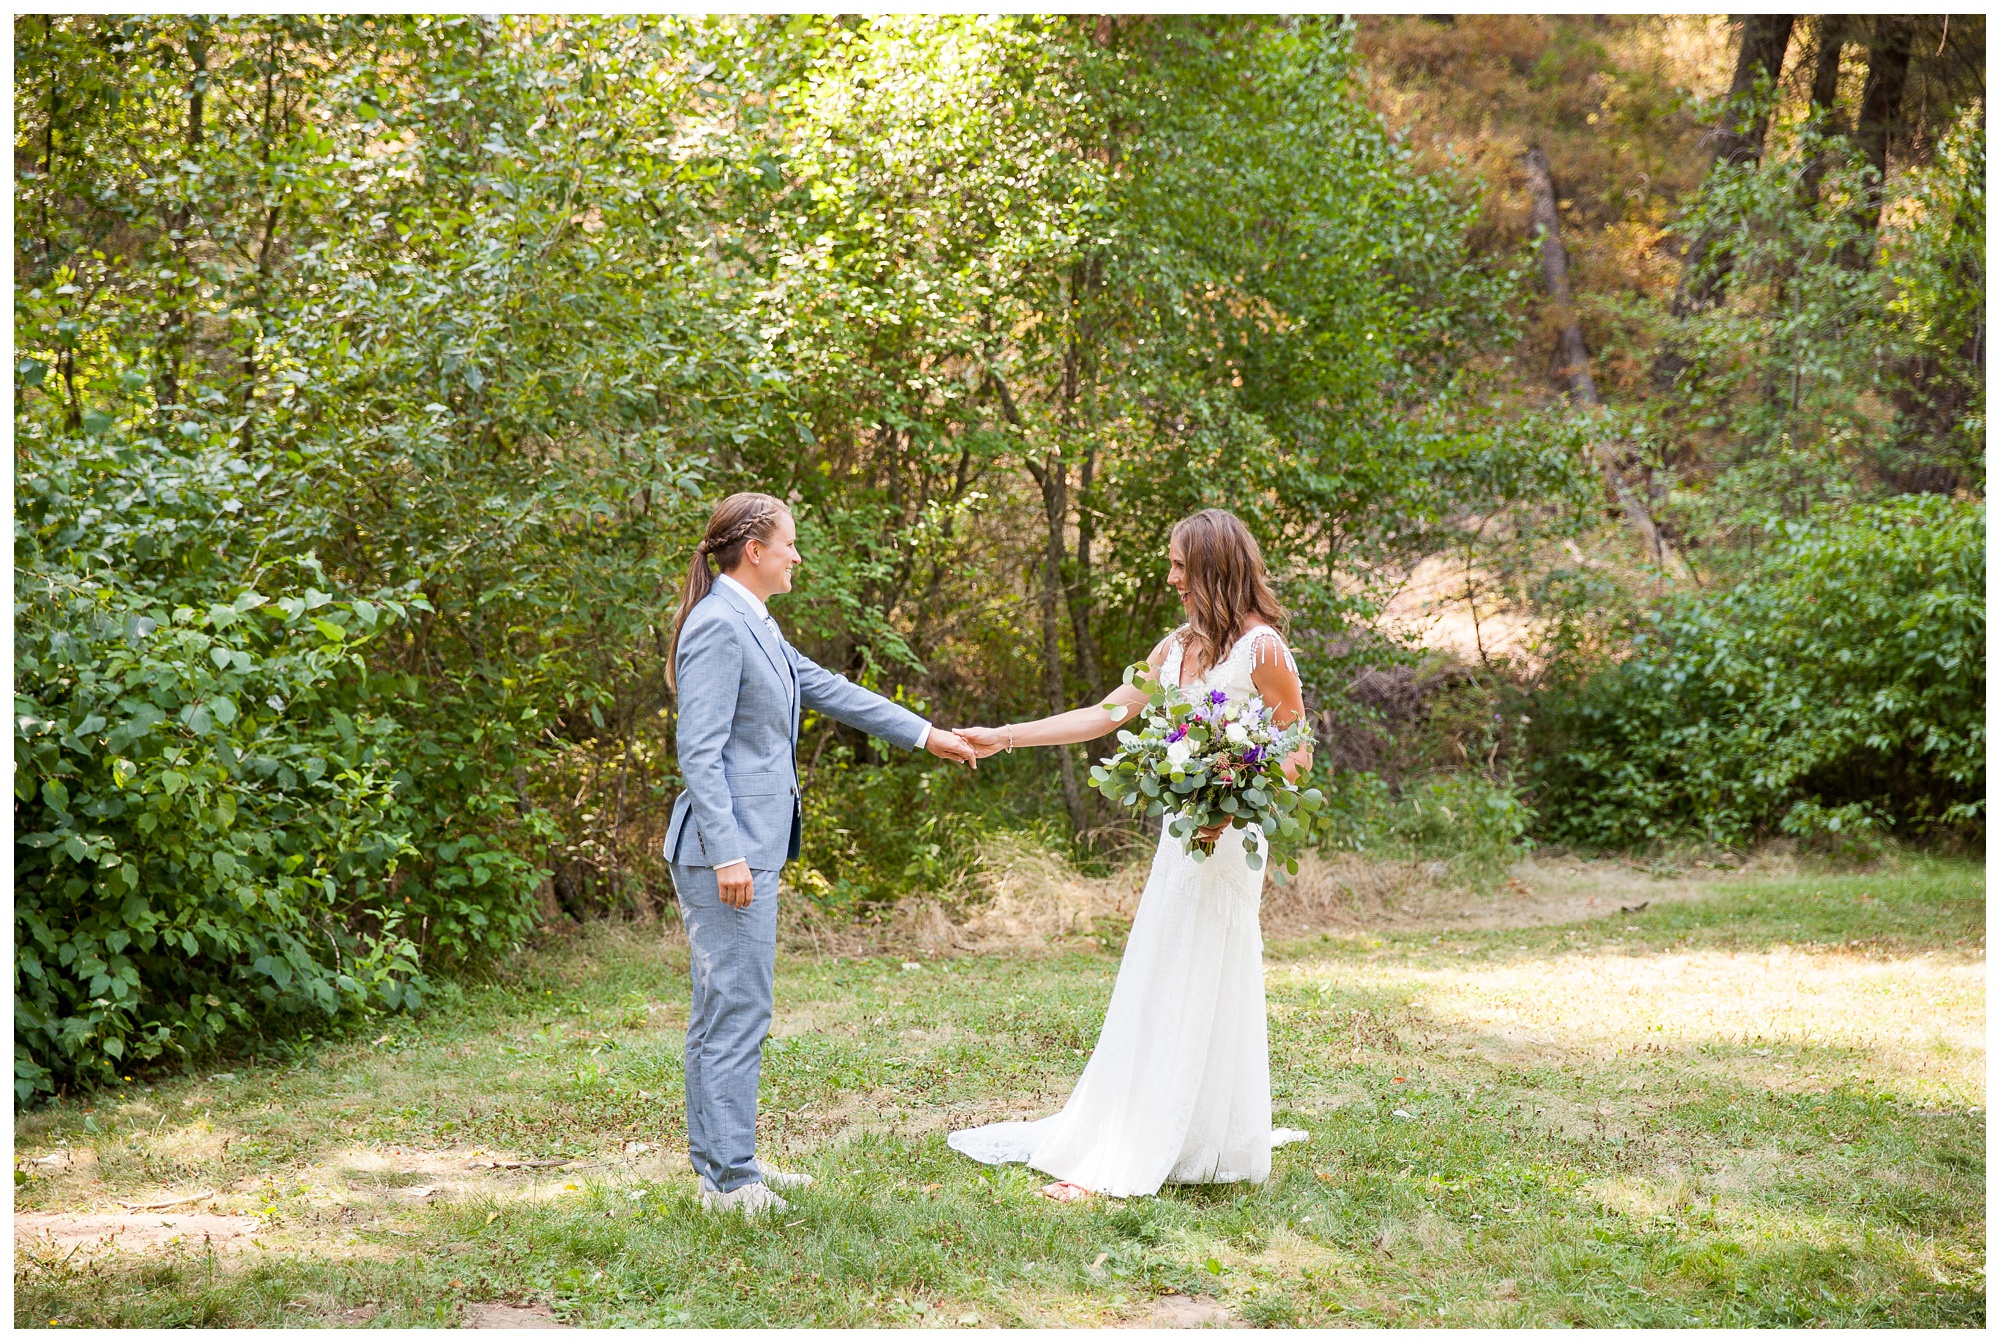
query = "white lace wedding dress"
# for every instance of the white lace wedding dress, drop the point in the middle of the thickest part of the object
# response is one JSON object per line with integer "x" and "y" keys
{"x": 1179, "y": 1087}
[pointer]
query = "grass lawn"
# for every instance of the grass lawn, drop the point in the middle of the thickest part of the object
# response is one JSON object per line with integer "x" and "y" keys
{"x": 1762, "y": 1106}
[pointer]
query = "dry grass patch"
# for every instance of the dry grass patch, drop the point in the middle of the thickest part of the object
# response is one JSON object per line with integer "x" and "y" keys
{"x": 1914, "y": 1024}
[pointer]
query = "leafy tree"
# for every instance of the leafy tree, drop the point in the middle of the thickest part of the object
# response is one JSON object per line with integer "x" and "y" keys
{"x": 1223, "y": 284}
{"x": 1817, "y": 382}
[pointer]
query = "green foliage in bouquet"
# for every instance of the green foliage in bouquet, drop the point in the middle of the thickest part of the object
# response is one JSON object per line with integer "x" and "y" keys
{"x": 1213, "y": 760}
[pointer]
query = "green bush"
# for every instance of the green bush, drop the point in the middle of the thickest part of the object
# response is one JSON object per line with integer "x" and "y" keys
{"x": 213, "y": 805}
{"x": 1841, "y": 686}
{"x": 874, "y": 831}
{"x": 1475, "y": 825}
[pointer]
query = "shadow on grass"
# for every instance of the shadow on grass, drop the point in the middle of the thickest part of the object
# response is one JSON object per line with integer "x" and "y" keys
{"x": 1471, "y": 1223}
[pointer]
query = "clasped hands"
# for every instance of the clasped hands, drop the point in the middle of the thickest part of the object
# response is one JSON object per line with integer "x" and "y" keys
{"x": 949, "y": 745}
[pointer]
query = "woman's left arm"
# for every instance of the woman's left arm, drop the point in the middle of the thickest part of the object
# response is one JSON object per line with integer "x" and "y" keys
{"x": 1062, "y": 729}
{"x": 1277, "y": 680}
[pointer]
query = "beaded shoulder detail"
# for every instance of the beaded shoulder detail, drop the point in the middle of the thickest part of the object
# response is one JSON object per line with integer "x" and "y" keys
{"x": 1258, "y": 640}
{"x": 1241, "y": 658}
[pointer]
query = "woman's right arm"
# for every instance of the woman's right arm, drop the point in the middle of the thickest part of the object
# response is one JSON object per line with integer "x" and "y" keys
{"x": 1085, "y": 724}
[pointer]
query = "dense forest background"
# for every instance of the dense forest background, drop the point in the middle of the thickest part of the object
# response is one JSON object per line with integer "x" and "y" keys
{"x": 1608, "y": 394}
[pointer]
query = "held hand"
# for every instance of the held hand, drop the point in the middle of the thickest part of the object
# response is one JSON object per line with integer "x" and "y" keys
{"x": 1208, "y": 834}
{"x": 734, "y": 885}
{"x": 1297, "y": 763}
{"x": 985, "y": 740}
{"x": 950, "y": 746}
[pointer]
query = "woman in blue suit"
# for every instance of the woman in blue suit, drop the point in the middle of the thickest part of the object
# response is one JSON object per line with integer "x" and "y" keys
{"x": 742, "y": 691}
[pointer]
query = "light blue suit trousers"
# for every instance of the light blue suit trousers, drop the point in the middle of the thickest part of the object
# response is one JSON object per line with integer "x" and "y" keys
{"x": 732, "y": 957}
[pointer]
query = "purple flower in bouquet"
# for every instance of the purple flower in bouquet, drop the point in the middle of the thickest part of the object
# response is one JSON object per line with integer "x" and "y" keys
{"x": 1180, "y": 730}
{"x": 1253, "y": 755}
{"x": 1217, "y": 698}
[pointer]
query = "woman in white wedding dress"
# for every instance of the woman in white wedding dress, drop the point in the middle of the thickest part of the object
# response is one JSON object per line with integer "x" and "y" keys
{"x": 1179, "y": 1087}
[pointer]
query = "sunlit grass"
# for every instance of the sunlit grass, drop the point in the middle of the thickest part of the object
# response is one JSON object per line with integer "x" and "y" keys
{"x": 1764, "y": 1107}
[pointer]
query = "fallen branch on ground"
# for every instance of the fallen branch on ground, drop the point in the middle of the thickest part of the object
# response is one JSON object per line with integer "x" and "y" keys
{"x": 170, "y": 1203}
{"x": 516, "y": 1165}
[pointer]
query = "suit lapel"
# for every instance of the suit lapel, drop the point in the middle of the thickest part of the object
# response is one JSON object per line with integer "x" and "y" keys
{"x": 767, "y": 641}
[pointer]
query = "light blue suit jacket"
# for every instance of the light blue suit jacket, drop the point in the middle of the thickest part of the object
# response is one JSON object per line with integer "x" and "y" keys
{"x": 743, "y": 689}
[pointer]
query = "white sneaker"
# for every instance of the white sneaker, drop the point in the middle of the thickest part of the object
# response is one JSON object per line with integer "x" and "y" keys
{"x": 783, "y": 1179}
{"x": 777, "y": 1179}
{"x": 747, "y": 1199}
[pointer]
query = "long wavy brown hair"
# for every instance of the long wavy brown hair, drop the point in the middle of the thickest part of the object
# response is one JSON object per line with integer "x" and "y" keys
{"x": 736, "y": 521}
{"x": 1228, "y": 586}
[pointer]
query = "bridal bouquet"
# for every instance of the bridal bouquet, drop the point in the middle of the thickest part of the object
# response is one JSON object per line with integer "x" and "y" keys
{"x": 1212, "y": 759}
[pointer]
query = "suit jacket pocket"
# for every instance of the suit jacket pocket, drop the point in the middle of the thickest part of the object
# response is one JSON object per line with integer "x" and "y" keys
{"x": 759, "y": 782}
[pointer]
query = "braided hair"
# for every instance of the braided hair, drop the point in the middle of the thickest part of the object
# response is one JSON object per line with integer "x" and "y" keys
{"x": 736, "y": 521}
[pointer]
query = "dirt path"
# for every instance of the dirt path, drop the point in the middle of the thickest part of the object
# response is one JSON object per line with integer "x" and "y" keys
{"x": 132, "y": 1232}
{"x": 352, "y": 1191}
{"x": 500, "y": 1315}
{"x": 1182, "y": 1312}
{"x": 1352, "y": 894}
{"x": 1027, "y": 900}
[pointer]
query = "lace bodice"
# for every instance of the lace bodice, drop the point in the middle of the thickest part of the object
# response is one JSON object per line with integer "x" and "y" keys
{"x": 1232, "y": 674}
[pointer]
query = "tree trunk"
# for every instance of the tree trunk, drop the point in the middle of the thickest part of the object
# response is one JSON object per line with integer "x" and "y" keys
{"x": 1882, "y": 103}
{"x": 1575, "y": 368}
{"x": 49, "y": 159}
{"x": 1080, "y": 591}
{"x": 1704, "y": 266}
{"x": 260, "y": 290}
{"x": 1761, "y": 55}
{"x": 197, "y": 56}
{"x": 1829, "y": 36}
{"x": 174, "y": 336}
{"x": 1052, "y": 477}
{"x": 1575, "y": 356}
{"x": 1077, "y": 594}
